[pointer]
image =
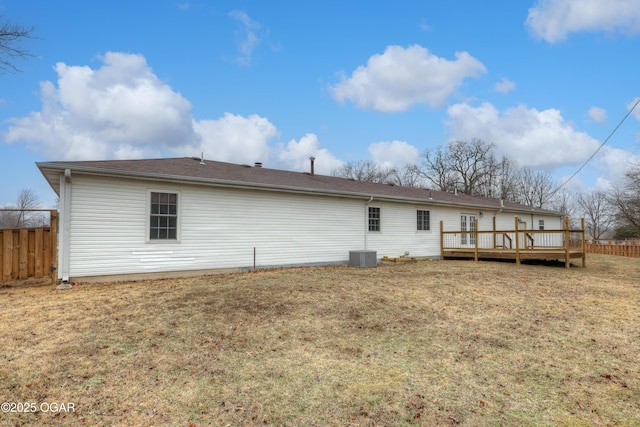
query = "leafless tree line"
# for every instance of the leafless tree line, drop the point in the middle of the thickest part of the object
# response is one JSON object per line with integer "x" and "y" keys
{"x": 25, "y": 213}
{"x": 474, "y": 168}
{"x": 465, "y": 167}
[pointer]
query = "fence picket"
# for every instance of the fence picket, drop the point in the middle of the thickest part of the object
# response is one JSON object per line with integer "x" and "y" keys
{"x": 29, "y": 252}
{"x": 613, "y": 248}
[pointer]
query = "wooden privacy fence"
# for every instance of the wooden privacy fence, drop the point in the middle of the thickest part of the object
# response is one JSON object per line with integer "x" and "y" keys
{"x": 623, "y": 248}
{"x": 29, "y": 252}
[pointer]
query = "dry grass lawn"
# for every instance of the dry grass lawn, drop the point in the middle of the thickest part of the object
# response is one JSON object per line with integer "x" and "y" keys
{"x": 430, "y": 343}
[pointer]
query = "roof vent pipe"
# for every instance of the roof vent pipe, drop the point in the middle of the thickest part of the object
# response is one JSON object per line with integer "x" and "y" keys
{"x": 258, "y": 164}
{"x": 202, "y": 158}
{"x": 312, "y": 159}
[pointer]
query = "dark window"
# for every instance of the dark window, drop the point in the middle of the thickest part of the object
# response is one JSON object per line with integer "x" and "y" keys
{"x": 163, "y": 223}
{"x": 541, "y": 224}
{"x": 423, "y": 220}
{"x": 374, "y": 219}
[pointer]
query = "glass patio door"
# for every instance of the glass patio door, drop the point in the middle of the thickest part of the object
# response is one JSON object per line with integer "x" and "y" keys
{"x": 467, "y": 229}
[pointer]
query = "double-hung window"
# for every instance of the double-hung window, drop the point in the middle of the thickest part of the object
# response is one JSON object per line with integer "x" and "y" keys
{"x": 163, "y": 219}
{"x": 374, "y": 219}
{"x": 423, "y": 220}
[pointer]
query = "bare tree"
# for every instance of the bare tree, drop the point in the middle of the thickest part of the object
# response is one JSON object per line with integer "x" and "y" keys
{"x": 408, "y": 176}
{"x": 364, "y": 170}
{"x": 463, "y": 166}
{"x": 11, "y": 35}
{"x": 626, "y": 200}
{"x": 597, "y": 212}
{"x": 27, "y": 201}
{"x": 564, "y": 201}
{"x": 23, "y": 214}
{"x": 8, "y": 219}
{"x": 500, "y": 181}
{"x": 472, "y": 163}
{"x": 436, "y": 170}
{"x": 535, "y": 187}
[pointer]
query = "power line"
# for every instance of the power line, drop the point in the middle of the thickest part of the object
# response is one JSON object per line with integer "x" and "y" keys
{"x": 599, "y": 148}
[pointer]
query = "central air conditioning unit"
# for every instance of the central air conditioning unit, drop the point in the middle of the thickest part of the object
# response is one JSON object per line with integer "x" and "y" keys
{"x": 363, "y": 259}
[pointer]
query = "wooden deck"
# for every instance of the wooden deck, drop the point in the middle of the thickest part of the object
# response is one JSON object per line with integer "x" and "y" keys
{"x": 518, "y": 245}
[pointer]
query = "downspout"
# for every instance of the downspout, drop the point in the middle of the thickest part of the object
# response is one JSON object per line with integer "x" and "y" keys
{"x": 64, "y": 245}
{"x": 366, "y": 221}
{"x": 495, "y": 216}
{"x": 500, "y": 210}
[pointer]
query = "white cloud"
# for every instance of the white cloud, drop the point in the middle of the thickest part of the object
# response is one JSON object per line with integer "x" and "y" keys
{"x": 401, "y": 78}
{"x": 232, "y": 138}
{"x": 636, "y": 105}
{"x": 117, "y": 111}
{"x": 614, "y": 163}
{"x": 295, "y": 156}
{"x": 597, "y": 114}
{"x": 394, "y": 154}
{"x": 534, "y": 138}
{"x": 247, "y": 36}
{"x": 504, "y": 86}
{"x": 553, "y": 20}
{"x": 122, "y": 111}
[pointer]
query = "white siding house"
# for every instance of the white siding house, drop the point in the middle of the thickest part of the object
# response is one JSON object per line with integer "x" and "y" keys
{"x": 178, "y": 215}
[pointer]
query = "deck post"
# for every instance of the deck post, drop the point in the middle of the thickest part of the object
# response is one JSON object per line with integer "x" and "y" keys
{"x": 517, "y": 242}
{"x": 495, "y": 240}
{"x": 567, "y": 259}
{"x": 441, "y": 240}
{"x": 584, "y": 246}
{"x": 475, "y": 238}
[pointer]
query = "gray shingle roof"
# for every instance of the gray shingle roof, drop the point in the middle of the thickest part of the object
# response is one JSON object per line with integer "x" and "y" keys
{"x": 189, "y": 170}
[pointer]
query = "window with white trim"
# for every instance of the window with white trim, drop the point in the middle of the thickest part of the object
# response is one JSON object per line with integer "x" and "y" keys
{"x": 423, "y": 220}
{"x": 163, "y": 218}
{"x": 374, "y": 219}
{"x": 541, "y": 224}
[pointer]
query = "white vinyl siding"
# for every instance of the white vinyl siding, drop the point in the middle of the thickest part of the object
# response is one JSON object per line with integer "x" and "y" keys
{"x": 221, "y": 227}
{"x": 399, "y": 235}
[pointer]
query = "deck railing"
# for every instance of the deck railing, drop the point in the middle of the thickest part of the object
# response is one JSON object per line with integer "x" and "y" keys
{"x": 565, "y": 239}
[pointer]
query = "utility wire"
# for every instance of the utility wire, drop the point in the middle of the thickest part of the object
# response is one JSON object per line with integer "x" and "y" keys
{"x": 599, "y": 148}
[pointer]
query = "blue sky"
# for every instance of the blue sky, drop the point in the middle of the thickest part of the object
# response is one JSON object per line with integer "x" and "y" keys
{"x": 279, "y": 81}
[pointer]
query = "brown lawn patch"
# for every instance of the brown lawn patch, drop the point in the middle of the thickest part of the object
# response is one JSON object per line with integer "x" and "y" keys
{"x": 430, "y": 343}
